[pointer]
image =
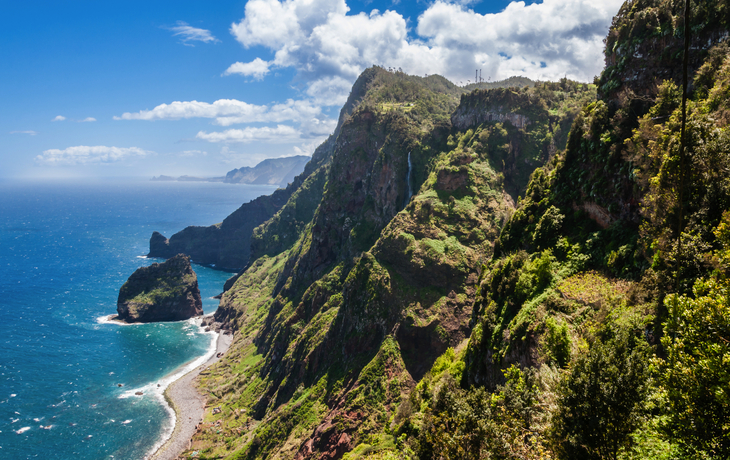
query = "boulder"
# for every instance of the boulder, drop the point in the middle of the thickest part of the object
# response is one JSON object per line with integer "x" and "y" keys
{"x": 165, "y": 291}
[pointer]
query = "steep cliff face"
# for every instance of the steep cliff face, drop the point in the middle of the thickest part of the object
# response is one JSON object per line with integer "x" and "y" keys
{"x": 161, "y": 292}
{"x": 341, "y": 313}
{"x": 593, "y": 245}
{"x": 449, "y": 325}
{"x": 227, "y": 244}
{"x": 644, "y": 45}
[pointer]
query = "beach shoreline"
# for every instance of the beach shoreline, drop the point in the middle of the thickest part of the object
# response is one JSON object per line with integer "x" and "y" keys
{"x": 188, "y": 404}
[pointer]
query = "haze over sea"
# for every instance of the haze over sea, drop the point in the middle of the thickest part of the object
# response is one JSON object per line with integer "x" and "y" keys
{"x": 65, "y": 250}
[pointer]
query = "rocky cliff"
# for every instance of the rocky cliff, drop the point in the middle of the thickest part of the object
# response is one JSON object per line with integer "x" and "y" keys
{"x": 509, "y": 308}
{"x": 345, "y": 307}
{"x": 166, "y": 291}
{"x": 227, "y": 244}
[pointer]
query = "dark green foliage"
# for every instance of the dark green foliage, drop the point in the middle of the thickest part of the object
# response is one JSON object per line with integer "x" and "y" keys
{"x": 557, "y": 342}
{"x": 548, "y": 228}
{"x": 645, "y": 42}
{"x": 569, "y": 299}
{"x": 695, "y": 374}
{"x": 474, "y": 424}
{"x": 602, "y": 399}
{"x": 282, "y": 230}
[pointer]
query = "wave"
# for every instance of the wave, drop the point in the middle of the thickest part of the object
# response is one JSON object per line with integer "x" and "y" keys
{"x": 157, "y": 389}
{"x": 108, "y": 319}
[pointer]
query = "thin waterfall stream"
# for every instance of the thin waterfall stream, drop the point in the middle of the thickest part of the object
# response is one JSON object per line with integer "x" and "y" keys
{"x": 408, "y": 182}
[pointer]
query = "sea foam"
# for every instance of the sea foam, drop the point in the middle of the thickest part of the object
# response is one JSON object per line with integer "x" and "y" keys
{"x": 157, "y": 388}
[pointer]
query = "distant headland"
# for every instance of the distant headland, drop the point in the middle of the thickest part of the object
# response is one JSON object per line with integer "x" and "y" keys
{"x": 274, "y": 171}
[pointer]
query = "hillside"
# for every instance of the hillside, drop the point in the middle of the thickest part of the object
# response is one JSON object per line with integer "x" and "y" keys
{"x": 381, "y": 279}
{"x": 525, "y": 272}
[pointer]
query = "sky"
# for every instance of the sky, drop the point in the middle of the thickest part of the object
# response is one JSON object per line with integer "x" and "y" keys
{"x": 90, "y": 88}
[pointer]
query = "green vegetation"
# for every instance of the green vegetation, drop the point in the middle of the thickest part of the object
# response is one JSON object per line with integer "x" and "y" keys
{"x": 576, "y": 321}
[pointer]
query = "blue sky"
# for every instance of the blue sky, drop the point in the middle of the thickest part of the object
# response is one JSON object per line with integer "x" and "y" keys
{"x": 93, "y": 88}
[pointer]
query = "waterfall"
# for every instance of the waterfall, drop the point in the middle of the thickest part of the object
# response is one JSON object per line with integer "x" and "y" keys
{"x": 408, "y": 182}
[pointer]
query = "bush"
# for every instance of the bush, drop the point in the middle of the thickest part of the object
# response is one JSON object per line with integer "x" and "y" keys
{"x": 601, "y": 401}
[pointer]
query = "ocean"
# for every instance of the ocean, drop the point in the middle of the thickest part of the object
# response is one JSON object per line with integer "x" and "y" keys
{"x": 66, "y": 247}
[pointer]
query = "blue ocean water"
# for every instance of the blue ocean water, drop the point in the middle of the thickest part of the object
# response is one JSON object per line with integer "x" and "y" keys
{"x": 65, "y": 250}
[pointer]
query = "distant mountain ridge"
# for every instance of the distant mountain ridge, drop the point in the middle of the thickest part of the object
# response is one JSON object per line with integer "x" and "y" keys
{"x": 272, "y": 171}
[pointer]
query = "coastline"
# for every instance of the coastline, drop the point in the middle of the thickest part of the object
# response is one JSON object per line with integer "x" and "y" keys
{"x": 188, "y": 405}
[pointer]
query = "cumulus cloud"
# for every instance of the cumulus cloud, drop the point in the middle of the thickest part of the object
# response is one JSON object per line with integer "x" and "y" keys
{"x": 189, "y": 34}
{"x": 87, "y": 120}
{"x": 256, "y": 69}
{"x": 329, "y": 48}
{"x": 278, "y": 134}
{"x": 88, "y": 155}
{"x": 59, "y": 118}
{"x": 28, "y": 132}
{"x": 226, "y": 112}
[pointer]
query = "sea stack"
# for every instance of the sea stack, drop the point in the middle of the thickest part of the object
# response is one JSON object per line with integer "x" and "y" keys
{"x": 160, "y": 246}
{"x": 165, "y": 291}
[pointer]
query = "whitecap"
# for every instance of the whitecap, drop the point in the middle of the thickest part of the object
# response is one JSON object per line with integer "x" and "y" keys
{"x": 126, "y": 422}
{"x": 158, "y": 388}
{"x": 13, "y": 395}
{"x": 107, "y": 319}
{"x": 23, "y": 430}
{"x": 13, "y": 420}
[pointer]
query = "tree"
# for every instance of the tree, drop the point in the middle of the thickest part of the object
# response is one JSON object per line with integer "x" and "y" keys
{"x": 602, "y": 399}
{"x": 696, "y": 373}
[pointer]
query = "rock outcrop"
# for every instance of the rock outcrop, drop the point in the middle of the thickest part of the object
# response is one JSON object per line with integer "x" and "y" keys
{"x": 227, "y": 244}
{"x": 166, "y": 291}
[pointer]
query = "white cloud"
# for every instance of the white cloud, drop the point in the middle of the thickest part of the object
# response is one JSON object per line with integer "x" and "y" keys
{"x": 279, "y": 134}
{"x": 88, "y": 155}
{"x": 194, "y": 109}
{"x": 329, "y": 48}
{"x": 28, "y": 132}
{"x": 256, "y": 69}
{"x": 226, "y": 112}
{"x": 59, "y": 118}
{"x": 87, "y": 120}
{"x": 188, "y": 33}
{"x": 229, "y": 111}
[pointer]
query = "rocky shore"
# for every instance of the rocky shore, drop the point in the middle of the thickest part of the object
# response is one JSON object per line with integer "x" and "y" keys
{"x": 187, "y": 402}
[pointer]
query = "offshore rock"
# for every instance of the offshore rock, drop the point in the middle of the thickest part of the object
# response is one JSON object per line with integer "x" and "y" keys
{"x": 165, "y": 291}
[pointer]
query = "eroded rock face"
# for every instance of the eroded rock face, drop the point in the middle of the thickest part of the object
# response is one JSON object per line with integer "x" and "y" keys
{"x": 166, "y": 291}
